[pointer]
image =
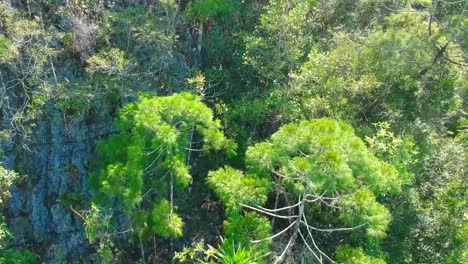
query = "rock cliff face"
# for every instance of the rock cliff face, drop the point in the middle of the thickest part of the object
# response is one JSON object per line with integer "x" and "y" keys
{"x": 58, "y": 164}
{"x": 56, "y": 169}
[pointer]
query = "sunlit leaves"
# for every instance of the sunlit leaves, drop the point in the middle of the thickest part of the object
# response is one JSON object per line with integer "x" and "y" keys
{"x": 166, "y": 223}
{"x": 323, "y": 156}
{"x": 232, "y": 253}
{"x": 348, "y": 254}
{"x": 8, "y": 255}
{"x": 150, "y": 155}
{"x": 110, "y": 62}
{"x": 234, "y": 188}
{"x": 309, "y": 161}
{"x": 388, "y": 73}
{"x": 7, "y": 50}
{"x": 249, "y": 227}
{"x": 361, "y": 208}
{"x": 281, "y": 41}
{"x": 7, "y": 177}
{"x": 205, "y": 9}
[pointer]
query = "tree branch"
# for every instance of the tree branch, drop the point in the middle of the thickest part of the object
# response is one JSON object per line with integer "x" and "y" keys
{"x": 330, "y": 230}
{"x": 275, "y": 235}
{"x": 320, "y": 259}
{"x": 281, "y": 257}
{"x": 282, "y": 208}
{"x": 315, "y": 245}
{"x": 439, "y": 55}
{"x": 270, "y": 214}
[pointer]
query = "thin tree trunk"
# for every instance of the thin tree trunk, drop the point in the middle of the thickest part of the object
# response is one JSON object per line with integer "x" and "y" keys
{"x": 188, "y": 156}
{"x": 171, "y": 242}
{"x": 199, "y": 44}
{"x": 154, "y": 247}
{"x": 292, "y": 240}
{"x": 276, "y": 205}
{"x": 142, "y": 250}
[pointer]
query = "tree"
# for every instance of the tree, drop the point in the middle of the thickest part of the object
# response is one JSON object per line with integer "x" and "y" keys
{"x": 323, "y": 176}
{"x": 149, "y": 160}
{"x": 353, "y": 15}
{"x": 442, "y": 190}
{"x": 427, "y": 217}
{"x": 392, "y": 73}
{"x": 281, "y": 41}
{"x": 201, "y": 11}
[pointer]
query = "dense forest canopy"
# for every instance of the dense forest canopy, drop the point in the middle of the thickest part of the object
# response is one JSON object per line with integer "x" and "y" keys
{"x": 234, "y": 132}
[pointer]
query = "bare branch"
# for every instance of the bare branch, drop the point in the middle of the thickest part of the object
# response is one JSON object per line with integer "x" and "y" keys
{"x": 275, "y": 235}
{"x": 330, "y": 205}
{"x": 280, "y": 258}
{"x": 122, "y": 232}
{"x": 330, "y": 230}
{"x": 270, "y": 214}
{"x": 282, "y": 208}
{"x": 454, "y": 62}
{"x": 320, "y": 259}
{"x": 323, "y": 197}
{"x": 313, "y": 241}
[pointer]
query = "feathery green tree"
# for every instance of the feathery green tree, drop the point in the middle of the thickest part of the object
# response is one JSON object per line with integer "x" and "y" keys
{"x": 322, "y": 176}
{"x": 149, "y": 160}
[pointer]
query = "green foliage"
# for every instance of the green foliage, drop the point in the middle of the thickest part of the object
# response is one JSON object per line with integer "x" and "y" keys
{"x": 7, "y": 50}
{"x": 24, "y": 55}
{"x": 230, "y": 253}
{"x": 139, "y": 31}
{"x": 442, "y": 204}
{"x": 365, "y": 77}
{"x": 7, "y": 255}
{"x": 251, "y": 226}
{"x": 146, "y": 40}
{"x": 236, "y": 247}
{"x": 317, "y": 158}
{"x": 396, "y": 191}
{"x": 96, "y": 223}
{"x": 110, "y": 62}
{"x": 18, "y": 257}
{"x": 361, "y": 208}
{"x": 197, "y": 254}
{"x": 167, "y": 223}
{"x": 321, "y": 156}
{"x": 4, "y": 232}
{"x": 234, "y": 188}
{"x": 399, "y": 151}
{"x": 428, "y": 216}
{"x": 462, "y": 136}
{"x": 351, "y": 255}
{"x": 281, "y": 41}
{"x": 205, "y": 9}
{"x": 351, "y": 16}
{"x": 7, "y": 177}
{"x": 147, "y": 161}
{"x": 99, "y": 228}
{"x": 16, "y": 27}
